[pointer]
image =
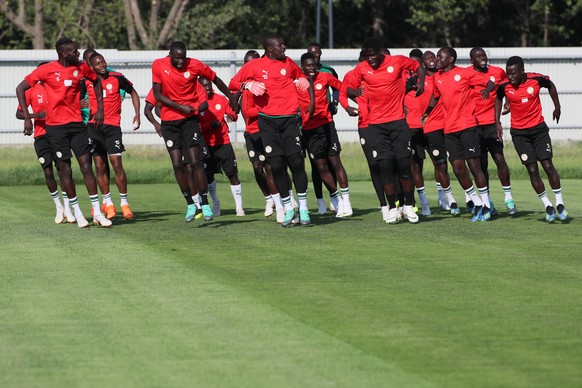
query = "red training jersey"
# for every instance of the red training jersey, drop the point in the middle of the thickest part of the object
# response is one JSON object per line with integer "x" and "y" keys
{"x": 280, "y": 97}
{"x": 218, "y": 107}
{"x": 111, "y": 98}
{"x": 321, "y": 115}
{"x": 436, "y": 119}
{"x": 63, "y": 86}
{"x": 350, "y": 81}
{"x": 524, "y": 101}
{"x": 485, "y": 109}
{"x": 384, "y": 87}
{"x": 180, "y": 85}
{"x": 37, "y": 100}
{"x": 455, "y": 89}
{"x": 250, "y": 112}
{"x": 416, "y": 106}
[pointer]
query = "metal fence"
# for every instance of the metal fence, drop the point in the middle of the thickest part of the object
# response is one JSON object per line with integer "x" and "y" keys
{"x": 562, "y": 64}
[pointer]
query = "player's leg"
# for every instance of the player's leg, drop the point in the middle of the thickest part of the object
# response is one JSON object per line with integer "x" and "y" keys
{"x": 554, "y": 179}
{"x": 121, "y": 183}
{"x": 226, "y": 159}
{"x": 44, "y": 154}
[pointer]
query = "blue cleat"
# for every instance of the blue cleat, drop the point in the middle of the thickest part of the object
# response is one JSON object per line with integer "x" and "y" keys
{"x": 471, "y": 207}
{"x": 477, "y": 214}
{"x": 455, "y": 211}
{"x": 190, "y": 213}
{"x": 510, "y": 205}
{"x": 550, "y": 214}
{"x": 304, "y": 217}
{"x": 207, "y": 213}
{"x": 288, "y": 219}
{"x": 562, "y": 213}
{"x": 492, "y": 209}
{"x": 486, "y": 214}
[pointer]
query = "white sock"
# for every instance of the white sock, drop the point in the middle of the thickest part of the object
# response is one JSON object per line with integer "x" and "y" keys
{"x": 545, "y": 200}
{"x": 471, "y": 193}
{"x": 197, "y": 200}
{"x": 422, "y": 195}
{"x": 484, "y": 193}
{"x": 236, "y": 191}
{"x": 558, "y": 194}
{"x": 123, "y": 199}
{"x": 57, "y": 199}
{"x": 66, "y": 202}
{"x": 302, "y": 201}
{"x": 277, "y": 199}
{"x": 345, "y": 194}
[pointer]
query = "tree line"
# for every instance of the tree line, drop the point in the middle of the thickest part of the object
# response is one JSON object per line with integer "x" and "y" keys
{"x": 240, "y": 24}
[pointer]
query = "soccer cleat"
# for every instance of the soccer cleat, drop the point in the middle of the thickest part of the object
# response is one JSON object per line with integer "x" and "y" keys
{"x": 103, "y": 208}
{"x": 332, "y": 207}
{"x": 304, "y": 217}
{"x": 410, "y": 214}
{"x": 425, "y": 209}
{"x": 280, "y": 214}
{"x": 190, "y": 213}
{"x": 394, "y": 216}
{"x": 321, "y": 209}
{"x": 199, "y": 214}
{"x": 269, "y": 208}
{"x": 207, "y": 213}
{"x": 215, "y": 208}
{"x": 485, "y": 214}
{"x": 110, "y": 212}
{"x": 70, "y": 217}
{"x": 345, "y": 210}
{"x": 492, "y": 209}
{"x": 550, "y": 214}
{"x": 562, "y": 212}
{"x": 444, "y": 203}
{"x": 240, "y": 212}
{"x": 288, "y": 218}
{"x": 455, "y": 211}
{"x": 510, "y": 205}
{"x": 471, "y": 207}
{"x": 385, "y": 212}
{"x": 127, "y": 213}
{"x": 60, "y": 216}
{"x": 477, "y": 213}
{"x": 100, "y": 219}
{"x": 81, "y": 220}
{"x": 415, "y": 208}
{"x": 336, "y": 203}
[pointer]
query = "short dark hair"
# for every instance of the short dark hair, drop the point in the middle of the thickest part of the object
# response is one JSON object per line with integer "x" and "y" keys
{"x": 95, "y": 54}
{"x": 268, "y": 37}
{"x": 61, "y": 42}
{"x": 415, "y": 53}
{"x": 373, "y": 44}
{"x": 88, "y": 52}
{"x": 254, "y": 53}
{"x": 178, "y": 45}
{"x": 314, "y": 44}
{"x": 474, "y": 50}
{"x": 451, "y": 51}
{"x": 515, "y": 60}
{"x": 307, "y": 56}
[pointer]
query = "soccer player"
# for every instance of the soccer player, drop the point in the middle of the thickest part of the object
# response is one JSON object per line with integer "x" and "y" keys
{"x": 175, "y": 80}
{"x": 64, "y": 126}
{"x": 434, "y": 135}
{"x": 214, "y": 127}
{"x": 490, "y": 78}
{"x": 381, "y": 75}
{"x": 36, "y": 99}
{"x": 332, "y": 99}
{"x": 529, "y": 131}
{"x": 107, "y": 138}
{"x": 454, "y": 85}
{"x": 320, "y": 137}
{"x": 274, "y": 79}
{"x": 256, "y": 150}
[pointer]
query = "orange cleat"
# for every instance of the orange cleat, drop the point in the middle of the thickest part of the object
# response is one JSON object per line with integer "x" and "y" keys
{"x": 110, "y": 212}
{"x": 127, "y": 213}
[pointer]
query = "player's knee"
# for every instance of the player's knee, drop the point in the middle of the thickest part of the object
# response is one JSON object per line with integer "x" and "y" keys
{"x": 296, "y": 162}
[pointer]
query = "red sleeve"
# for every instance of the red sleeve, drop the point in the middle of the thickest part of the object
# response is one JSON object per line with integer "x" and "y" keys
{"x": 35, "y": 76}
{"x": 249, "y": 108}
{"x": 88, "y": 72}
{"x": 334, "y": 82}
{"x": 156, "y": 72}
{"x": 150, "y": 98}
{"x": 244, "y": 74}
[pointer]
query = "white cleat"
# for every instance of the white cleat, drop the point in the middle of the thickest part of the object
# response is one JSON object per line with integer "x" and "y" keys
{"x": 240, "y": 212}
{"x": 269, "y": 208}
{"x": 100, "y": 219}
{"x": 394, "y": 216}
{"x": 321, "y": 209}
{"x": 70, "y": 217}
{"x": 385, "y": 213}
{"x": 444, "y": 204}
{"x": 409, "y": 214}
{"x": 82, "y": 221}
{"x": 345, "y": 210}
{"x": 216, "y": 208}
{"x": 425, "y": 209}
{"x": 60, "y": 216}
{"x": 280, "y": 214}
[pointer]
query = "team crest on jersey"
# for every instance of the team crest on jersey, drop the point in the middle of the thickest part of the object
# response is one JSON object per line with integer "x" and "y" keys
{"x": 457, "y": 77}
{"x": 390, "y": 69}
{"x": 218, "y": 107}
{"x": 109, "y": 87}
{"x": 318, "y": 86}
{"x": 283, "y": 72}
{"x": 187, "y": 74}
{"x": 530, "y": 90}
{"x": 75, "y": 73}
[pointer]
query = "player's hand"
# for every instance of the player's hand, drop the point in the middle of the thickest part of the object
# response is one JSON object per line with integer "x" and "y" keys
{"x": 98, "y": 117}
{"x": 499, "y": 132}
{"x": 158, "y": 128}
{"x": 505, "y": 109}
{"x": 186, "y": 109}
{"x": 229, "y": 118}
{"x": 423, "y": 119}
{"x": 301, "y": 84}
{"x": 311, "y": 109}
{"x": 214, "y": 124}
{"x": 136, "y": 123}
{"x": 39, "y": 115}
{"x": 556, "y": 115}
{"x": 352, "y": 111}
{"x": 484, "y": 94}
{"x": 420, "y": 90}
{"x": 27, "y": 127}
{"x": 255, "y": 87}
{"x": 84, "y": 103}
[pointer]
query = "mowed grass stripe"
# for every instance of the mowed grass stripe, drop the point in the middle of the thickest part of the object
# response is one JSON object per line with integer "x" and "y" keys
{"x": 444, "y": 302}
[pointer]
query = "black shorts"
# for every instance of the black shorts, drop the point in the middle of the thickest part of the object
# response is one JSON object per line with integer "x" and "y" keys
{"x": 221, "y": 157}
{"x": 105, "y": 139}
{"x": 435, "y": 143}
{"x": 281, "y": 135}
{"x": 65, "y": 137}
{"x": 364, "y": 134}
{"x": 417, "y": 143}
{"x": 44, "y": 152}
{"x": 464, "y": 144}
{"x": 204, "y": 153}
{"x": 390, "y": 140}
{"x": 181, "y": 134}
{"x": 255, "y": 147}
{"x": 489, "y": 141}
{"x": 532, "y": 144}
{"x": 321, "y": 142}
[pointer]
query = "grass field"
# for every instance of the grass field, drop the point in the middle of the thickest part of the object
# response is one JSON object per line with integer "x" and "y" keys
{"x": 244, "y": 302}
